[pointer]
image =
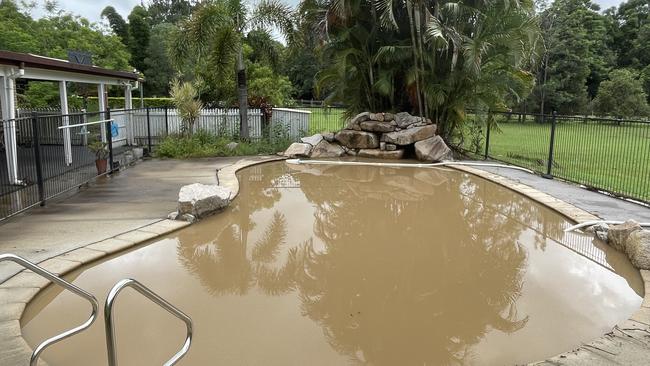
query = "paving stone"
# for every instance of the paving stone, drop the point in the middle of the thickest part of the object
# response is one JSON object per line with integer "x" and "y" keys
{"x": 11, "y": 311}
{"x": 164, "y": 227}
{"x": 82, "y": 255}
{"x": 14, "y": 295}
{"x": 111, "y": 245}
{"x": 136, "y": 236}
{"x": 59, "y": 266}
{"x": 26, "y": 278}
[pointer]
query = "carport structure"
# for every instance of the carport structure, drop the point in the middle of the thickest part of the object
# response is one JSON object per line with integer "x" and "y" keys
{"x": 15, "y": 66}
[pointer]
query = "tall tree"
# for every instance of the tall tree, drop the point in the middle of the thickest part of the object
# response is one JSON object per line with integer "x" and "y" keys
{"x": 576, "y": 57}
{"x": 621, "y": 96}
{"x": 169, "y": 11}
{"x": 158, "y": 70}
{"x": 216, "y": 31}
{"x": 117, "y": 23}
{"x": 429, "y": 57}
{"x": 139, "y": 34}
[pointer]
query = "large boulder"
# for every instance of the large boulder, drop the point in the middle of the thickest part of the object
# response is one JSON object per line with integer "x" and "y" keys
{"x": 375, "y": 126}
{"x": 328, "y": 136}
{"x": 637, "y": 248}
{"x": 312, "y": 140}
{"x": 409, "y": 136}
{"x": 298, "y": 150}
{"x": 201, "y": 200}
{"x": 404, "y": 120}
{"x": 379, "y": 154}
{"x": 382, "y": 117}
{"x": 617, "y": 234}
{"x": 357, "y": 139}
{"x": 432, "y": 149}
{"x": 325, "y": 149}
{"x": 353, "y": 124}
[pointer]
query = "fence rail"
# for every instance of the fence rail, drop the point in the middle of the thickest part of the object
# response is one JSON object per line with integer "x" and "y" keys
{"x": 606, "y": 154}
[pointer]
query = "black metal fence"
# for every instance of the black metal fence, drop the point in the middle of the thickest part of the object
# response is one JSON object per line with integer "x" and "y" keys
{"x": 45, "y": 167}
{"x": 611, "y": 155}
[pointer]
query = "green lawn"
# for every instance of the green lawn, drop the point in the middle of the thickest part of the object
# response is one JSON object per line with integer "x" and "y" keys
{"x": 603, "y": 155}
{"x": 324, "y": 120}
{"x": 607, "y": 156}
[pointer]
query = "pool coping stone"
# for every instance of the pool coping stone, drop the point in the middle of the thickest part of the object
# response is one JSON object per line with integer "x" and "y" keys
{"x": 627, "y": 344}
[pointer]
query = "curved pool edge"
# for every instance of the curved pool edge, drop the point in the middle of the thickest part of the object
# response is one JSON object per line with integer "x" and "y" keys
{"x": 628, "y": 343}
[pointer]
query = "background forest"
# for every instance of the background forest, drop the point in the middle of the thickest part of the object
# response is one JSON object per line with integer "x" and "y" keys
{"x": 434, "y": 58}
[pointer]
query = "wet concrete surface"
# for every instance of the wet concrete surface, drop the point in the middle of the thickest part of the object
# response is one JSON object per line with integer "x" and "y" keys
{"x": 597, "y": 203}
{"x": 324, "y": 265}
{"x": 135, "y": 197}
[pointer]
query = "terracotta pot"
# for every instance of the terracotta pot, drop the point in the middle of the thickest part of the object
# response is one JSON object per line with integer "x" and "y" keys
{"x": 101, "y": 165}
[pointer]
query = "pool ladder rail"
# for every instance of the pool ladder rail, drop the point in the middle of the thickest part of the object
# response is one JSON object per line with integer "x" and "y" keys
{"x": 109, "y": 317}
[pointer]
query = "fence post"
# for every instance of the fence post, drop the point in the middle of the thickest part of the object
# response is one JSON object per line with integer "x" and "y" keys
{"x": 37, "y": 158}
{"x": 109, "y": 139}
{"x": 166, "y": 121}
{"x": 487, "y": 141}
{"x": 551, "y": 148}
{"x": 148, "y": 131}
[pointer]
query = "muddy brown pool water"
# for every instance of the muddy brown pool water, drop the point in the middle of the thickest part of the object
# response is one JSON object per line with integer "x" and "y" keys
{"x": 327, "y": 265}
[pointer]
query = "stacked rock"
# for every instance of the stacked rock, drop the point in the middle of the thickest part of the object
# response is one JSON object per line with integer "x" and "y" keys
{"x": 376, "y": 135}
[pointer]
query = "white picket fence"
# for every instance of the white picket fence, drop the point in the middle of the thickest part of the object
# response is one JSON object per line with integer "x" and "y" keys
{"x": 221, "y": 122}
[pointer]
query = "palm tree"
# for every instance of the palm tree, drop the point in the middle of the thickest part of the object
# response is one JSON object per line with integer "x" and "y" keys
{"x": 215, "y": 33}
{"x": 429, "y": 57}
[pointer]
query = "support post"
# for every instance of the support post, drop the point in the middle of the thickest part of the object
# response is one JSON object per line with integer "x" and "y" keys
{"x": 101, "y": 98}
{"x": 7, "y": 100}
{"x": 148, "y": 131}
{"x": 37, "y": 157}
{"x": 551, "y": 148}
{"x": 110, "y": 140}
{"x": 84, "y": 129}
{"x": 65, "y": 120}
{"x": 487, "y": 141}
{"x": 128, "y": 106}
{"x": 166, "y": 121}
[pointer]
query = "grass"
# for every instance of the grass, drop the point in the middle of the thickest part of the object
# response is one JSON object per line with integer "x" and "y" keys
{"x": 203, "y": 144}
{"x": 606, "y": 156}
{"x": 324, "y": 120}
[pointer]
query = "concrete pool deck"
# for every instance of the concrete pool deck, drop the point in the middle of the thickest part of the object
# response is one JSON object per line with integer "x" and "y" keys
{"x": 136, "y": 201}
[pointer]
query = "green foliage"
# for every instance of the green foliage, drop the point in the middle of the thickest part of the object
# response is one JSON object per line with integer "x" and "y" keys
{"x": 215, "y": 36}
{"x": 264, "y": 83}
{"x": 158, "y": 70}
{"x": 431, "y": 58}
{"x": 57, "y": 33}
{"x": 186, "y": 100}
{"x": 168, "y": 11}
{"x": 139, "y": 35}
{"x": 99, "y": 148}
{"x": 204, "y": 144}
{"x": 117, "y": 24}
{"x": 621, "y": 96}
{"x": 576, "y": 57}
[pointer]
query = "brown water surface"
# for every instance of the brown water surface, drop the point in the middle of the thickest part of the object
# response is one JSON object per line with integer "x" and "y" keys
{"x": 340, "y": 265}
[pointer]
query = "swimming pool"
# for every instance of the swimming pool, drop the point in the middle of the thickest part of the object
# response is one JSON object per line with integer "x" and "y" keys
{"x": 339, "y": 265}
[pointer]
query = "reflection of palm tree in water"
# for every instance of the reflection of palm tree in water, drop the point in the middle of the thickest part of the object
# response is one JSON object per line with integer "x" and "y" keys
{"x": 387, "y": 293}
{"x": 221, "y": 260}
{"x": 385, "y": 289}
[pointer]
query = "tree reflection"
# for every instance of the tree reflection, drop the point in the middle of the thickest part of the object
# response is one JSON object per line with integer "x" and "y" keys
{"x": 412, "y": 266}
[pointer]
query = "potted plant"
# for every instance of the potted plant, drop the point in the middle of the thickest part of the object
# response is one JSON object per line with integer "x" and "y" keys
{"x": 100, "y": 150}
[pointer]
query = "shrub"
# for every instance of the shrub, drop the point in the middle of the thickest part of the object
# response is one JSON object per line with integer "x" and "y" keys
{"x": 205, "y": 144}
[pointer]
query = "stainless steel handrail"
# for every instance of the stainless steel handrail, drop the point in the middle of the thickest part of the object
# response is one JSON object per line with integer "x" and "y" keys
{"x": 68, "y": 286}
{"x": 109, "y": 322}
